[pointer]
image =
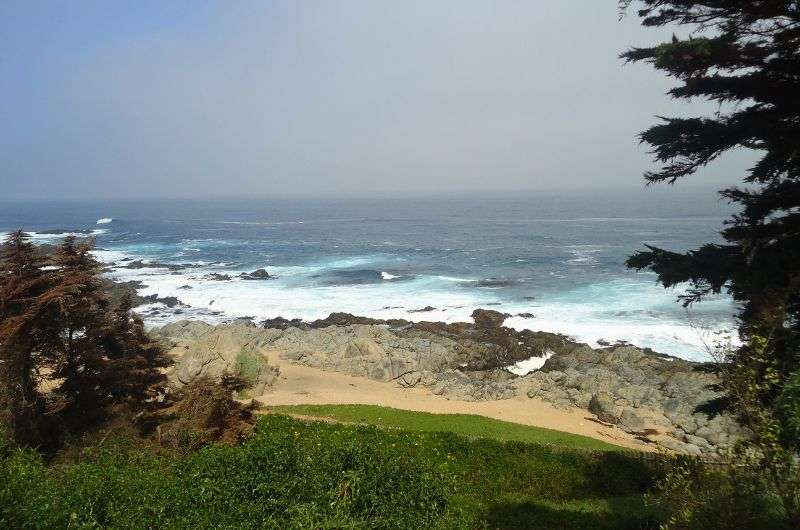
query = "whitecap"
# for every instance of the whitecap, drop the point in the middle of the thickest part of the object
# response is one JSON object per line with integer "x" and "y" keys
{"x": 104, "y": 220}
{"x": 387, "y": 276}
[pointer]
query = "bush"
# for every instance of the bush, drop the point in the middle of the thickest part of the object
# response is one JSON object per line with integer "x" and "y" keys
{"x": 694, "y": 494}
{"x": 291, "y": 474}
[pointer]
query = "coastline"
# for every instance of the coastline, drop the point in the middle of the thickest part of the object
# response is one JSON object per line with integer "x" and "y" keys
{"x": 621, "y": 394}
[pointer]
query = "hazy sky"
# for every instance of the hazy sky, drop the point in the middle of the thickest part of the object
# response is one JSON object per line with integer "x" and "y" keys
{"x": 153, "y": 98}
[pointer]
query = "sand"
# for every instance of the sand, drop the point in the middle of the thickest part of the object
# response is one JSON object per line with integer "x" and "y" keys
{"x": 303, "y": 385}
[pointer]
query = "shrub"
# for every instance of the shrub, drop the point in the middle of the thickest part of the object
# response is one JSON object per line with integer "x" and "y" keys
{"x": 694, "y": 494}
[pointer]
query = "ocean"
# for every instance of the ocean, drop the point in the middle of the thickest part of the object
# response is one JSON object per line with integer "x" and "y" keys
{"x": 554, "y": 261}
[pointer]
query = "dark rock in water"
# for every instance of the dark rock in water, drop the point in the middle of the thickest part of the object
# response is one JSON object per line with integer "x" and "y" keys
{"x": 126, "y": 259}
{"x": 343, "y": 319}
{"x": 526, "y": 315}
{"x": 215, "y": 276}
{"x": 392, "y": 307}
{"x": 169, "y": 301}
{"x": 487, "y": 318}
{"x": 282, "y": 323}
{"x": 425, "y": 309}
{"x": 211, "y": 302}
{"x": 494, "y": 282}
{"x": 260, "y": 274}
{"x": 185, "y": 287}
{"x": 174, "y": 267}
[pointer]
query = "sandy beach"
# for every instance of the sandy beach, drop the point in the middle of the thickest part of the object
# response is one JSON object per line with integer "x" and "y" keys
{"x": 303, "y": 385}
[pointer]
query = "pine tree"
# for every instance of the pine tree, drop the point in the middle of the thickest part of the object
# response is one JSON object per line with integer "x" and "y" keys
{"x": 78, "y": 308}
{"x": 21, "y": 282}
{"x": 745, "y": 56}
{"x": 134, "y": 360}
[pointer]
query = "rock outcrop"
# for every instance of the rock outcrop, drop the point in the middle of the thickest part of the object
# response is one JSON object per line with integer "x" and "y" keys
{"x": 653, "y": 396}
{"x": 202, "y": 350}
{"x": 260, "y": 274}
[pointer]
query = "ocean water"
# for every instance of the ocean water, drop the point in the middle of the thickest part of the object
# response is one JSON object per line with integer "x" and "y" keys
{"x": 557, "y": 256}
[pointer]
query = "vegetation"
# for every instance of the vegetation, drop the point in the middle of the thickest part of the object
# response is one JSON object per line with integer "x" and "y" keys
{"x": 463, "y": 424}
{"x": 291, "y": 474}
{"x": 58, "y": 330}
{"x": 745, "y": 56}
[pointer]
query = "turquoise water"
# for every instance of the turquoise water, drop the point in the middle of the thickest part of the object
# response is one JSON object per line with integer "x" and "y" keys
{"x": 559, "y": 257}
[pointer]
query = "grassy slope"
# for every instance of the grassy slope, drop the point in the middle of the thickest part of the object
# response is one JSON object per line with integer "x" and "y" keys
{"x": 294, "y": 474}
{"x": 463, "y": 424}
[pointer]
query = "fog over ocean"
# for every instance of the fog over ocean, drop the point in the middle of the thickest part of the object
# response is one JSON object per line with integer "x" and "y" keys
{"x": 557, "y": 256}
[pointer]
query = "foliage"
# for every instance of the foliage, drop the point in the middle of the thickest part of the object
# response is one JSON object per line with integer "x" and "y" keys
{"x": 291, "y": 474}
{"x": 694, "y": 494}
{"x": 463, "y": 424}
{"x": 745, "y": 56}
{"x": 204, "y": 412}
{"x": 60, "y": 332}
{"x": 22, "y": 281}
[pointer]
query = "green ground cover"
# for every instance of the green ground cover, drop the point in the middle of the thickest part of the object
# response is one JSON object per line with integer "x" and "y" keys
{"x": 296, "y": 474}
{"x": 463, "y": 424}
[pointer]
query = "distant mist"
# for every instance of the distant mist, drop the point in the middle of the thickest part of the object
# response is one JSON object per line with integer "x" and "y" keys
{"x": 285, "y": 97}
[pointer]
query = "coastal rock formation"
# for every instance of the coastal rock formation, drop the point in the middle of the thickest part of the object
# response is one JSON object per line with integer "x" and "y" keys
{"x": 653, "y": 396}
{"x": 260, "y": 274}
{"x": 201, "y": 350}
{"x": 641, "y": 392}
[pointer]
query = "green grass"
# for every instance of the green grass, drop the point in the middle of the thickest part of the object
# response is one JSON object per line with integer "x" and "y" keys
{"x": 463, "y": 424}
{"x": 295, "y": 474}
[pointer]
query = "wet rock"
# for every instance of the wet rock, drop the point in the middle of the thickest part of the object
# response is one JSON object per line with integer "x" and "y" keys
{"x": 425, "y": 309}
{"x": 487, "y": 318}
{"x": 260, "y": 274}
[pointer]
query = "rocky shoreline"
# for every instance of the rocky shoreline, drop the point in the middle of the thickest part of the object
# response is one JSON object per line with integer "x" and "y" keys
{"x": 655, "y": 397}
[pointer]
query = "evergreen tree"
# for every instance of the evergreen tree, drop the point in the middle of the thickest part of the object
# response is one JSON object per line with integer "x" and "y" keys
{"x": 77, "y": 307}
{"x": 21, "y": 282}
{"x": 745, "y": 56}
{"x": 133, "y": 374}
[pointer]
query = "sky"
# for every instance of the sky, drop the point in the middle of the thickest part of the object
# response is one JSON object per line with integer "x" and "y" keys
{"x": 107, "y": 99}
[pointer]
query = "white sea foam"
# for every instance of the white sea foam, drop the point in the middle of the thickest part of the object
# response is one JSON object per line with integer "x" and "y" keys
{"x": 48, "y": 238}
{"x": 104, "y": 220}
{"x": 454, "y": 279}
{"x": 529, "y": 365}
{"x": 637, "y": 312}
{"x": 633, "y": 310}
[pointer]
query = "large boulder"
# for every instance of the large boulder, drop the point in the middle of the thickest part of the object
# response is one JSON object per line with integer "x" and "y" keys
{"x": 260, "y": 274}
{"x": 203, "y": 351}
{"x": 605, "y": 408}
